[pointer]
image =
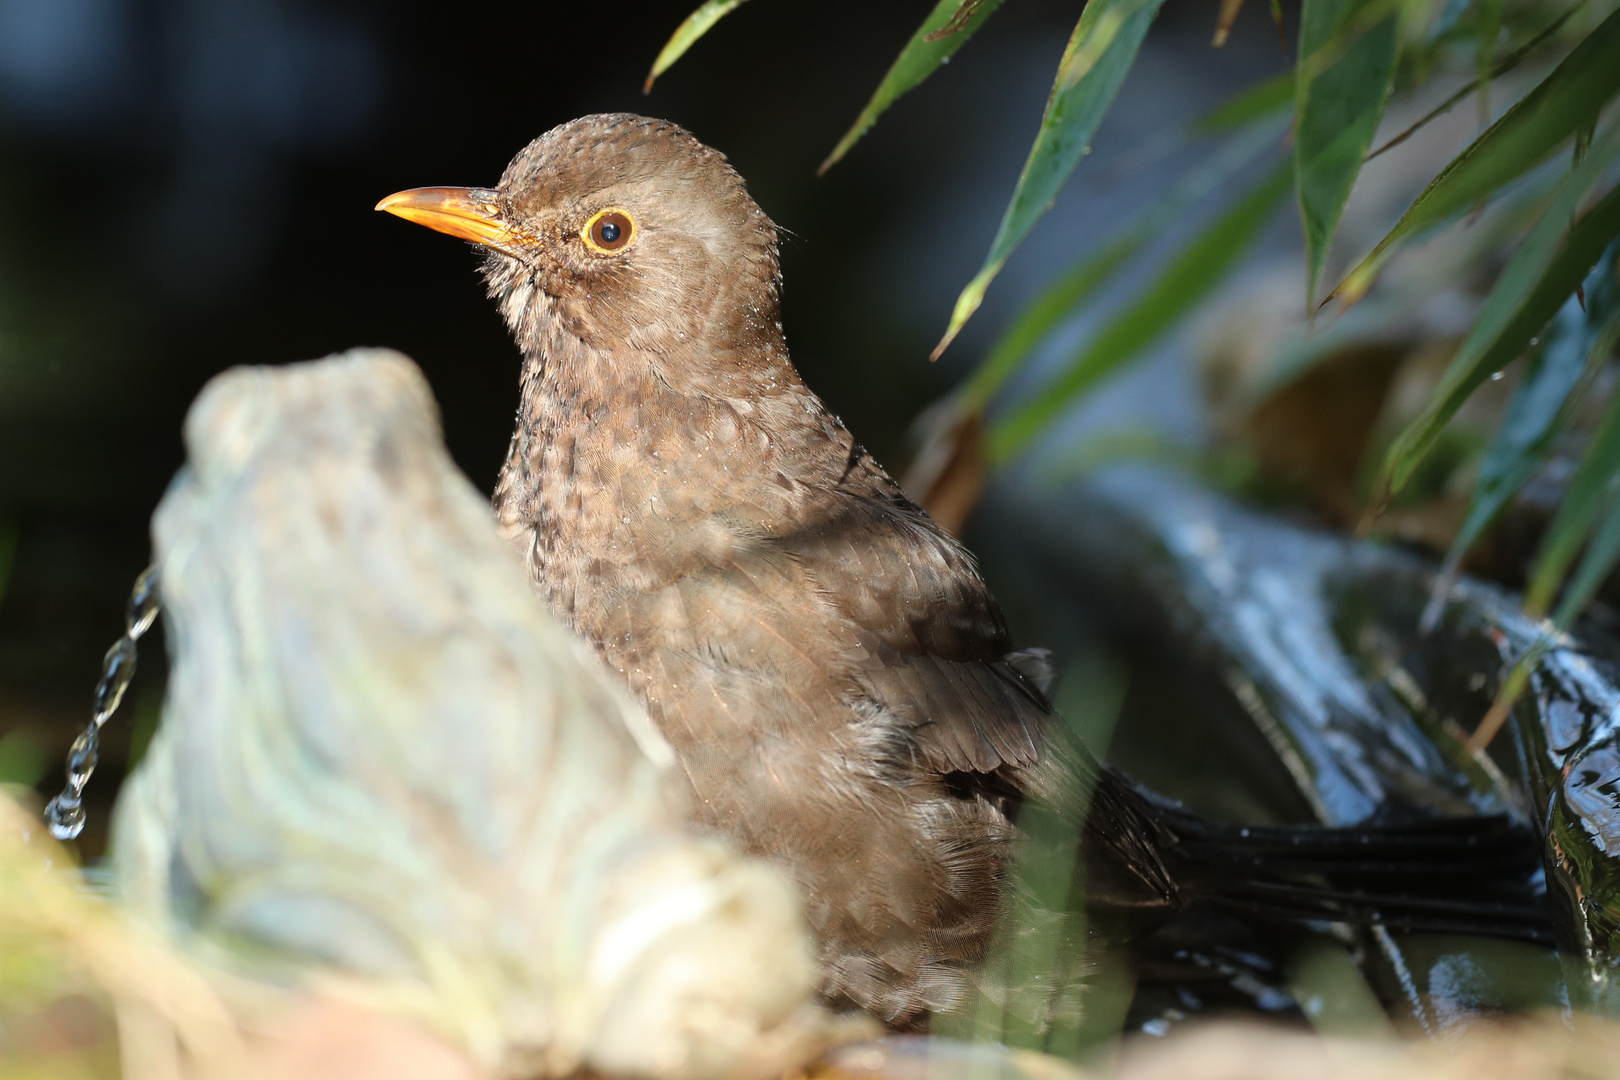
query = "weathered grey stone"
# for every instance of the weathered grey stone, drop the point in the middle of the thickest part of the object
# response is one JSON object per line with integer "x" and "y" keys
{"x": 381, "y": 759}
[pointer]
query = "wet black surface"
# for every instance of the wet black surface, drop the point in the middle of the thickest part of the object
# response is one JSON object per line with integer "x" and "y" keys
{"x": 1311, "y": 640}
{"x": 1560, "y": 755}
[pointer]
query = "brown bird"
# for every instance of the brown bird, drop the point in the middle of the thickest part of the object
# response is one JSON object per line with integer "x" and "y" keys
{"x": 835, "y": 678}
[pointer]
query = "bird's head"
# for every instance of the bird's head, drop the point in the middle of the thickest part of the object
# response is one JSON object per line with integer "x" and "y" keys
{"x": 621, "y": 231}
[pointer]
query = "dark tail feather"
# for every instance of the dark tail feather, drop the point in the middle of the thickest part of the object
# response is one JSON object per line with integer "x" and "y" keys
{"x": 1515, "y": 920}
{"x": 1478, "y": 875}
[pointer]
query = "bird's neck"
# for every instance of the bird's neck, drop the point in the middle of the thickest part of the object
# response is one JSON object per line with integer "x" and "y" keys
{"x": 624, "y": 474}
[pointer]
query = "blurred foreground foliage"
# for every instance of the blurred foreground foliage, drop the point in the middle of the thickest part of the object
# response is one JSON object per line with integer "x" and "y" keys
{"x": 1531, "y": 204}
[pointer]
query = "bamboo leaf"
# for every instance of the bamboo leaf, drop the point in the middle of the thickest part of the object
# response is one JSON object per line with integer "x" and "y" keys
{"x": 696, "y": 25}
{"x": 1490, "y": 28}
{"x": 1543, "y": 272}
{"x": 1224, "y": 20}
{"x": 1507, "y": 695}
{"x": 1593, "y": 495}
{"x": 1569, "y": 98}
{"x": 1533, "y": 418}
{"x": 1450, "y": 16}
{"x": 1098, "y": 57}
{"x": 1599, "y": 559}
{"x": 958, "y": 21}
{"x": 1572, "y": 344}
{"x": 923, "y": 54}
{"x": 1277, "y": 21}
{"x": 1061, "y": 299}
{"x": 1262, "y": 100}
{"x": 1590, "y": 497}
{"x": 1182, "y": 285}
{"x": 1064, "y": 297}
{"x": 1503, "y": 66}
{"x": 1337, "y": 108}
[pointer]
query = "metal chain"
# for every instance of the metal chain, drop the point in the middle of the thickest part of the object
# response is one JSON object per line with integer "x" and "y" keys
{"x": 65, "y": 813}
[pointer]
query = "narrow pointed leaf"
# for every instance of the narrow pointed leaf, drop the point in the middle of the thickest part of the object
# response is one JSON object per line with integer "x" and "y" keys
{"x": 958, "y": 21}
{"x": 1541, "y": 275}
{"x": 1590, "y": 497}
{"x": 1537, "y": 413}
{"x": 1063, "y": 298}
{"x": 1264, "y": 99}
{"x": 1098, "y": 57}
{"x": 1337, "y": 107}
{"x": 1599, "y": 559}
{"x": 696, "y": 25}
{"x": 1502, "y": 67}
{"x": 1224, "y": 20}
{"x": 1490, "y": 27}
{"x": 1185, "y": 282}
{"x": 1568, "y": 99}
{"x": 1577, "y": 337}
{"x": 1277, "y": 21}
{"x": 1080, "y": 283}
{"x": 1450, "y": 15}
{"x": 921, "y": 57}
{"x": 1532, "y": 420}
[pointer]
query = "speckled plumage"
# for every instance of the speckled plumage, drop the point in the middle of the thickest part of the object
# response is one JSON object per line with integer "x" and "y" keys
{"x": 825, "y": 659}
{"x": 835, "y": 678}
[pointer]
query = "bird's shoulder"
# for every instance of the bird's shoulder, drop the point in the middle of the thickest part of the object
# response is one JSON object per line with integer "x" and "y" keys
{"x": 934, "y": 652}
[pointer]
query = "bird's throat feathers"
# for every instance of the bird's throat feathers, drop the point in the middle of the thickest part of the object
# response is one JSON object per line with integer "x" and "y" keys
{"x": 630, "y": 465}
{"x": 669, "y": 365}
{"x": 616, "y": 449}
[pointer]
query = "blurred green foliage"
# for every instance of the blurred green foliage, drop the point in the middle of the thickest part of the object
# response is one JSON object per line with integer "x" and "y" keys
{"x": 1046, "y": 984}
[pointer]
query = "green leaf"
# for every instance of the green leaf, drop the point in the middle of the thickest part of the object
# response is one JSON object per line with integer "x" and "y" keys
{"x": 1188, "y": 278}
{"x": 1224, "y": 20}
{"x": 1257, "y": 102}
{"x": 1490, "y": 28}
{"x": 1502, "y": 67}
{"x": 1571, "y": 345}
{"x": 1057, "y": 302}
{"x": 1450, "y": 15}
{"x": 1591, "y": 496}
{"x": 1546, "y": 268}
{"x": 1080, "y": 282}
{"x": 1098, "y": 57}
{"x": 923, "y": 54}
{"x": 1337, "y": 108}
{"x": 1533, "y": 418}
{"x": 696, "y": 25}
{"x": 1569, "y": 98}
{"x": 1599, "y": 559}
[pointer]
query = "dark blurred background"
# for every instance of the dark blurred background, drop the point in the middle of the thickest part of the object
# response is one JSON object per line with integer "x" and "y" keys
{"x": 187, "y": 185}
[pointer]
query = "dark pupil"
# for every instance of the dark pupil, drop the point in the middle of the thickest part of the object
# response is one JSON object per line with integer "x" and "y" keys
{"x": 610, "y": 231}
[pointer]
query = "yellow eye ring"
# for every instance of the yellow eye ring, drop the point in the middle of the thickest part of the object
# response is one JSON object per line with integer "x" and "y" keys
{"x": 609, "y": 231}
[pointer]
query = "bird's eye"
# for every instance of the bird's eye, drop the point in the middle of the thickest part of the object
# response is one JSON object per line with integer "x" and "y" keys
{"x": 609, "y": 230}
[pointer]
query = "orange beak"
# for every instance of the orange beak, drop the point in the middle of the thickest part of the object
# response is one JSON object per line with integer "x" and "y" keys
{"x": 469, "y": 213}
